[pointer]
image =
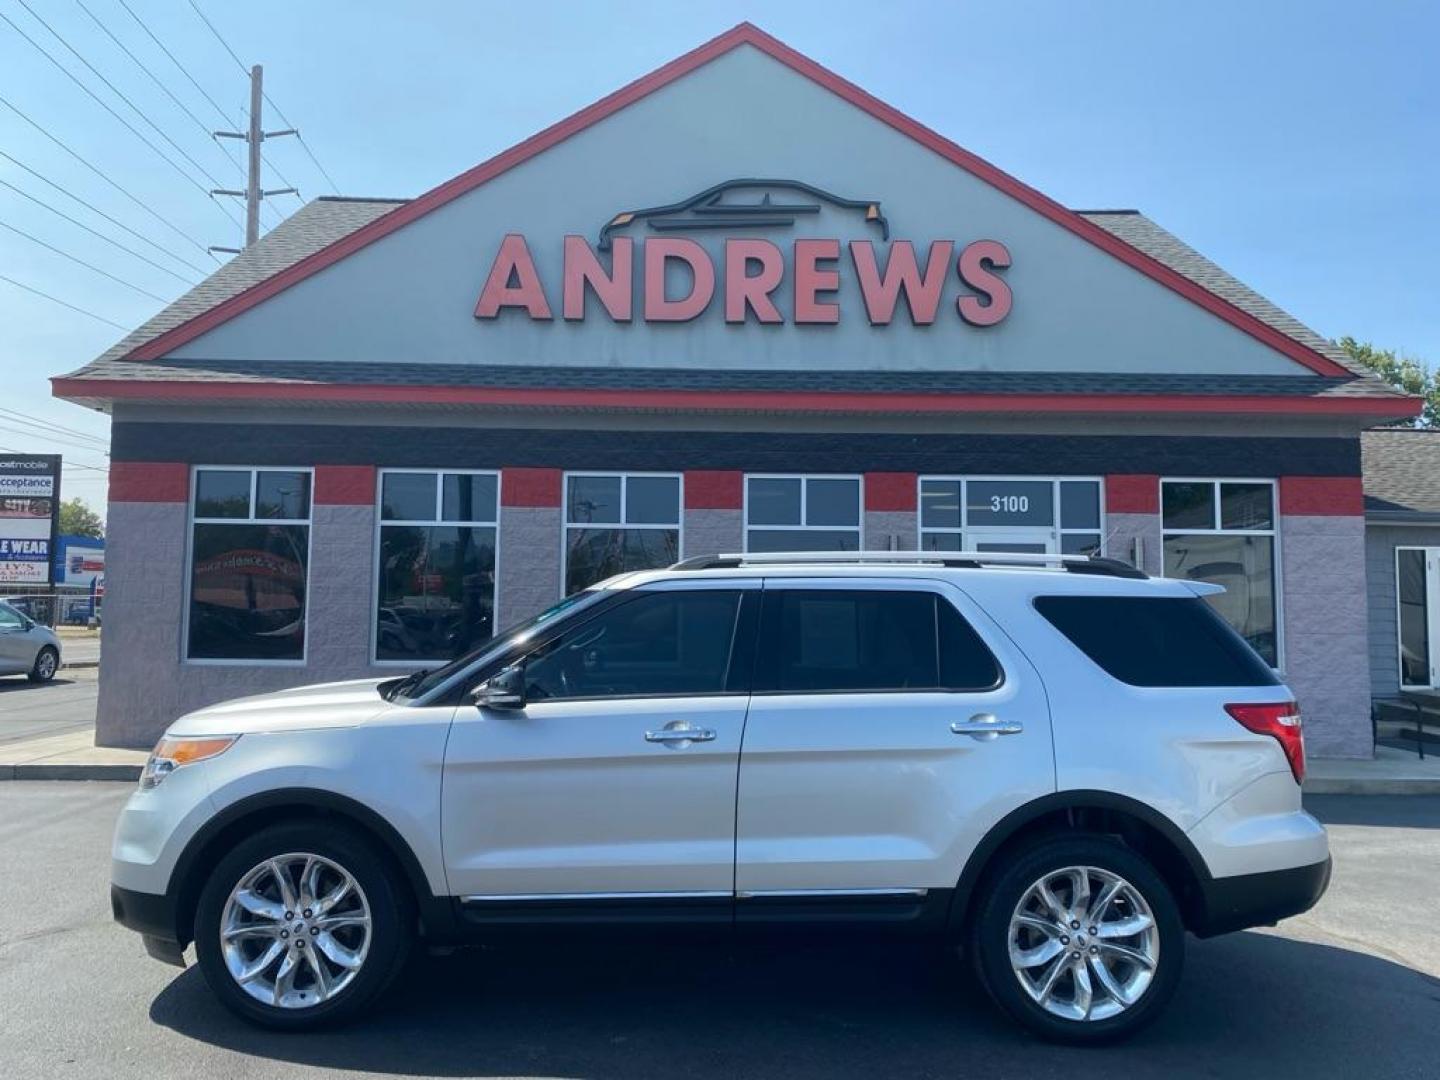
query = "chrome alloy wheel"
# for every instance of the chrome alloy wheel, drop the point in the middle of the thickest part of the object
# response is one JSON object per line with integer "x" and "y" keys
{"x": 1084, "y": 943}
{"x": 45, "y": 664}
{"x": 295, "y": 930}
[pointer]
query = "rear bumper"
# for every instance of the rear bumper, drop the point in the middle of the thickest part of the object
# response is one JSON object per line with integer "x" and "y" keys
{"x": 1234, "y": 903}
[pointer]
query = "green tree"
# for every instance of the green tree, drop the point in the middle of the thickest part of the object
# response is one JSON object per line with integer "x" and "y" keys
{"x": 77, "y": 519}
{"x": 1405, "y": 373}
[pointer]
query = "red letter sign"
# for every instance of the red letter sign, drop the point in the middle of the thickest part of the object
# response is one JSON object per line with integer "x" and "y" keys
{"x": 658, "y": 308}
{"x": 512, "y": 260}
{"x": 582, "y": 267}
{"x": 744, "y": 290}
{"x": 975, "y": 270}
{"x": 810, "y": 280}
{"x": 902, "y": 274}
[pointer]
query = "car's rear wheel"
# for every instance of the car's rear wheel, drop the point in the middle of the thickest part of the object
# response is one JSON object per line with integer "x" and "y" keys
{"x": 47, "y": 662}
{"x": 302, "y": 924}
{"x": 1079, "y": 939}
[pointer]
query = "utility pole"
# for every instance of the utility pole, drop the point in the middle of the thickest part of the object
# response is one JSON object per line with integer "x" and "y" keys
{"x": 253, "y": 192}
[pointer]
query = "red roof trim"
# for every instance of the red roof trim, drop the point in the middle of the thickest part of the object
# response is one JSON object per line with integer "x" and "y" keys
{"x": 743, "y": 34}
{"x": 724, "y": 400}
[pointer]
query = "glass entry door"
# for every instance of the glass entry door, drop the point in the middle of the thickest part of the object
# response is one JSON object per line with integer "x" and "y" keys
{"x": 1417, "y": 604}
{"x": 1033, "y": 541}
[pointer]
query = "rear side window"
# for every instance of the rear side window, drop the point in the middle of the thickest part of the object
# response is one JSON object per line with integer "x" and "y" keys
{"x": 1157, "y": 640}
{"x": 834, "y": 641}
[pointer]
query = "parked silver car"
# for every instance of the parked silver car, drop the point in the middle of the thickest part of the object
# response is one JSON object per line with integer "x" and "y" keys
{"x": 26, "y": 647}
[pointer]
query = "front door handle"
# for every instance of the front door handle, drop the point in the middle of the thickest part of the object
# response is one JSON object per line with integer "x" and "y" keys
{"x": 982, "y": 727}
{"x": 680, "y": 732}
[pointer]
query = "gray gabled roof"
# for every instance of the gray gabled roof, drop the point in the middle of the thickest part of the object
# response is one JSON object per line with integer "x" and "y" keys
{"x": 325, "y": 220}
{"x": 1402, "y": 474}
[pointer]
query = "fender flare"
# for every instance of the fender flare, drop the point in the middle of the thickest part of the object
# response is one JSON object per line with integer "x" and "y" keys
{"x": 1075, "y": 799}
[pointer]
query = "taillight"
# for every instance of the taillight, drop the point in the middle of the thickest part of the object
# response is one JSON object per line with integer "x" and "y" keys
{"x": 1280, "y": 720}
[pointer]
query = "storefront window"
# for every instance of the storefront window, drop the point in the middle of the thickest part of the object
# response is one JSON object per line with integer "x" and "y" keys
{"x": 1018, "y": 513}
{"x": 802, "y": 513}
{"x": 436, "y": 590}
{"x": 249, "y": 560}
{"x": 1223, "y": 532}
{"x": 1412, "y": 596}
{"x": 616, "y": 522}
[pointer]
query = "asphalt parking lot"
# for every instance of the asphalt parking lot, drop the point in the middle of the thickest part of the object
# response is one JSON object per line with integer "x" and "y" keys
{"x": 1349, "y": 990}
{"x": 33, "y": 710}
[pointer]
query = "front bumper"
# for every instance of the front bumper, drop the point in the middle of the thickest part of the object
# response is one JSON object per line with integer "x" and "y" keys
{"x": 1245, "y": 900}
{"x": 154, "y": 918}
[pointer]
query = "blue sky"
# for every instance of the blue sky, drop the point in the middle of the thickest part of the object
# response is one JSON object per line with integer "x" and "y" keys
{"x": 1295, "y": 143}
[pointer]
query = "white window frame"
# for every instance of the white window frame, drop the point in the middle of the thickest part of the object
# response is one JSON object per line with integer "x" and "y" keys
{"x": 191, "y": 521}
{"x": 804, "y": 526}
{"x": 1273, "y": 532}
{"x": 382, "y": 523}
{"x": 1432, "y": 616}
{"x": 624, "y": 523}
{"x": 1057, "y": 532}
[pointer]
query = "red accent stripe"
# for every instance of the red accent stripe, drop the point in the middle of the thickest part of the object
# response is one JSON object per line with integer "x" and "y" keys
{"x": 149, "y": 481}
{"x": 714, "y": 490}
{"x": 894, "y": 491}
{"x": 743, "y": 34}
{"x": 344, "y": 485}
{"x": 1132, "y": 493}
{"x": 530, "y": 487}
{"x": 736, "y": 400}
{"x": 1322, "y": 496}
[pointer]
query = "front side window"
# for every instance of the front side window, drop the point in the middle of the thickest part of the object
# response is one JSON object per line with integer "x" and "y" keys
{"x": 10, "y": 619}
{"x": 249, "y": 564}
{"x": 657, "y": 645}
{"x": 802, "y": 513}
{"x": 615, "y": 522}
{"x": 819, "y": 641}
{"x": 436, "y": 589}
{"x": 1223, "y": 532}
{"x": 959, "y": 513}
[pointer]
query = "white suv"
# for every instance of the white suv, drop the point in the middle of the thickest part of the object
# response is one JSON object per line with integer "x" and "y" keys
{"x": 1054, "y": 762}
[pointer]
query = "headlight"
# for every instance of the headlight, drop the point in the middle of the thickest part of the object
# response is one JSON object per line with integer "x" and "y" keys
{"x": 172, "y": 752}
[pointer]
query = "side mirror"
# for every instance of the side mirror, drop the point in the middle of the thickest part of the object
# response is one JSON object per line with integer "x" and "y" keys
{"x": 503, "y": 690}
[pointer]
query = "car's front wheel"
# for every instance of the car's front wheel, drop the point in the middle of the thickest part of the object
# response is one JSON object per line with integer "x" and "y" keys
{"x": 1079, "y": 939}
{"x": 47, "y": 662}
{"x": 302, "y": 924}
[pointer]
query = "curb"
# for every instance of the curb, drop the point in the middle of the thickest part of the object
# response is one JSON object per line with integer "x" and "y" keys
{"x": 1372, "y": 786}
{"x": 67, "y": 666}
{"x": 77, "y": 771}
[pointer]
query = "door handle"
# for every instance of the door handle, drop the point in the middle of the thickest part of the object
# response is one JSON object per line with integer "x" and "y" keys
{"x": 679, "y": 733}
{"x": 983, "y": 727}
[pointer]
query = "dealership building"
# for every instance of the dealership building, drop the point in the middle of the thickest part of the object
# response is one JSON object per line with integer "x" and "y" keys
{"x": 737, "y": 305}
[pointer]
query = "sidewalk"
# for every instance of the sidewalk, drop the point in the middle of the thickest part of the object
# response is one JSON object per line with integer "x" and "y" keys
{"x": 69, "y": 756}
{"x": 1392, "y": 772}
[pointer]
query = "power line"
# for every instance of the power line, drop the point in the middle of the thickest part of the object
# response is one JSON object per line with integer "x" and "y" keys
{"x": 104, "y": 176}
{"x": 50, "y": 437}
{"x": 283, "y": 118}
{"x": 108, "y": 108}
{"x": 82, "y": 262}
{"x": 19, "y": 417}
{"x": 96, "y": 232}
{"x": 72, "y": 463}
{"x": 95, "y": 209}
{"x": 63, "y": 303}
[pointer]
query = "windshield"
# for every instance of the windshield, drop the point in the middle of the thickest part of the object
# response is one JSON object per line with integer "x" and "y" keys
{"x": 422, "y": 682}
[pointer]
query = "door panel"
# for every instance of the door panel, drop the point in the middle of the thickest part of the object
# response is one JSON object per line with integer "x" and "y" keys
{"x": 862, "y": 791}
{"x": 602, "y": 794}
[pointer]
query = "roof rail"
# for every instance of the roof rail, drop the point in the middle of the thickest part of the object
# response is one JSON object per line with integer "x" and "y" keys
{"x": 969, "y": 560}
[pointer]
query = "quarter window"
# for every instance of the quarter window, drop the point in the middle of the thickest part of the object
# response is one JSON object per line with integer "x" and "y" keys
{"x": 959, "y": 513}
{"x": 435, "y": 594}
{"x": 616, "y": 522}
{"x": 249, "y": 564}
{"x": 1223, "y": 532}
{"x": 656, "y": 645}
{"x": 836, "y": 640}
{"x": 802, "y": 513}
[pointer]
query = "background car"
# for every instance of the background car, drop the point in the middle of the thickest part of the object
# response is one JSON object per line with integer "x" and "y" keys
{"x": 27, "y": 647}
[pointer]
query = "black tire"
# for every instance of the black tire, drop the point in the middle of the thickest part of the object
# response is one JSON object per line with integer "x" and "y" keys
{"x": 43, "y": 671}
{"x": 1002, "y": 893}
{"x": 392, "y": 922}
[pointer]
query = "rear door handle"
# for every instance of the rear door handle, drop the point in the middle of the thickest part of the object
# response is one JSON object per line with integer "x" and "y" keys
{"x": 983, "y": 727}
{"x": 681, "y": 732}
